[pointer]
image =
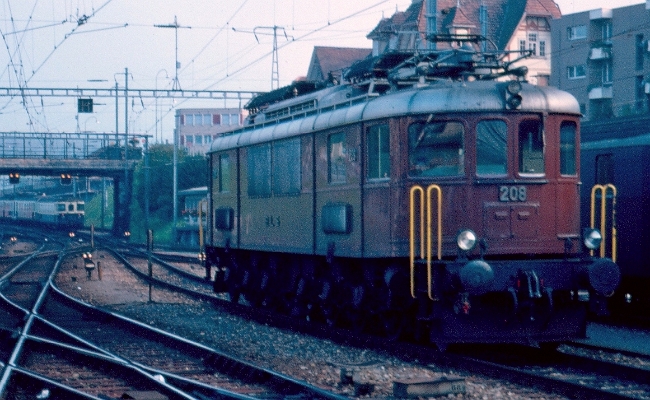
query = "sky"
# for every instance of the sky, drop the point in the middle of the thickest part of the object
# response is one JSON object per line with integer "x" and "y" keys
{"x": 222, "y": 45}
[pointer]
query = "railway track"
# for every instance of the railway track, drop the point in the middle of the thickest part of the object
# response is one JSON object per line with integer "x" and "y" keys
{"x": 569, "y": 373}
{"x": 53, "y": 338}
{"x": 564, "y": 371}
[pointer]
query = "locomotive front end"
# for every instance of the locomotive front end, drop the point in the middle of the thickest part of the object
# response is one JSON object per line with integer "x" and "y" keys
{"x": 496, "y": 245}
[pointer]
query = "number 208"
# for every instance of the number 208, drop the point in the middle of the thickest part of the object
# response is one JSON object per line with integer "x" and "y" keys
{"x": 512, "y": 193}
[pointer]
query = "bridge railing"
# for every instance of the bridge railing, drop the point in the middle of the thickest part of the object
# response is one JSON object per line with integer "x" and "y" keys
{"x": 64, "y": 146}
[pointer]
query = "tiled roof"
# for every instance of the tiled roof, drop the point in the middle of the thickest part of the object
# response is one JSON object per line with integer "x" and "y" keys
{"x": 503, "y": 18}
{"x": 333, "y": 59}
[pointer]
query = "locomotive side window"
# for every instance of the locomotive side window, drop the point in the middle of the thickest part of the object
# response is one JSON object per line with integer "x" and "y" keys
{"x": 491, "y": 147}
{"x": 436, "y": 148}
{"x": 60, "y": 207}
{"x": 531, "y": 147}
{"x": 568, "y": 148}
{"x": 378, "y": 152}
{"x": 604, "y": 169}
{"x": 224, "y": 173}
{"x": 286, "y": 167}
{"x": 259, "y": 170}
{"x": 336, "y": 154}
{"x": 80, "y": 206}
{"x": 70, "y": 207}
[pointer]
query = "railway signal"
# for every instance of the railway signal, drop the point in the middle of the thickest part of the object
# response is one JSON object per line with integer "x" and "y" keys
{"x": 84, "y": 106}
{"x": 14, "y": 177}
{"x": 66, "y": 179}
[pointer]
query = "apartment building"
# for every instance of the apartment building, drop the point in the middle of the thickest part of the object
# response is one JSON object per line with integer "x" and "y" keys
{"x": 197, "y": 127}
{"x": 602, "y": 57}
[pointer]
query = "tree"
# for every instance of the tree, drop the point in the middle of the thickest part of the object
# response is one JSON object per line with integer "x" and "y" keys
{"x": 192, "y": 172}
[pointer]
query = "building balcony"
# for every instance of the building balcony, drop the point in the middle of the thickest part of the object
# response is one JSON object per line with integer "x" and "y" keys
{"x": 602, "y": 52}
{"x": 600, "y": 13}
{"x": 600, "y": 92}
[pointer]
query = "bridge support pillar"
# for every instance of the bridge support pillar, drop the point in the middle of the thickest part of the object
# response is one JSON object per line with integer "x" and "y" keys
{"x": 122, "y": 194}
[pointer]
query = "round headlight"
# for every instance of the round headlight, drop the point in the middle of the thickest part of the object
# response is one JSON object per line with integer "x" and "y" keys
{"x": 592, "y": 239}
{"x": 466, "y": 240}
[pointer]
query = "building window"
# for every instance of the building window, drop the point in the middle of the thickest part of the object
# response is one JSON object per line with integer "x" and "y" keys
{"x": 607, "y": 31}
{"x": 189, "y": 119}
{"x": 640, "y": 92}
{"x": 189, "y": 139}
{"x": 577, "y": 32}
{"x": 491, "y": 152}
{"x": 198, "y": 139}
{"x": 568, "y": 148}
{"x": 533, "y": 48}
{"x": 532, "y": 37}
{"x": 229, "y": 119}
{"x": 542, "y": 48}
{"x": 576, "y": 71}
{"x": 639, "y": 51}
{"x": 378, "y": 152}
{"x": 607, "y": 72}
{"x": 336, "y": 158}
{"x": 522, "y": 46}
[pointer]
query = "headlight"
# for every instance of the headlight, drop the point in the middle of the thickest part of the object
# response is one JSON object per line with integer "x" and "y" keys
{"x": 466, "y": 240}
{"x": 592, "y": 238}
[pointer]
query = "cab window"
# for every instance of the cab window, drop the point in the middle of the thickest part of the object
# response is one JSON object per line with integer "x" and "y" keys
{"x": 436, "y": 149}
{"x": 491, "y": 153}
{"x": 80, "y": 206}
{"x": 531, "y": 147}
{"x": 568, "y": 148}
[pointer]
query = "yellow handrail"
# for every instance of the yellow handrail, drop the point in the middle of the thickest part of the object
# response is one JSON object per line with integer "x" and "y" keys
{"x": 424, "y": 251}
{"x": 603, "y": 189}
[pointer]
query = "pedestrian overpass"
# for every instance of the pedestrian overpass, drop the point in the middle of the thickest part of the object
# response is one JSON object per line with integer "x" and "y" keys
{"x": 77, "y": 154}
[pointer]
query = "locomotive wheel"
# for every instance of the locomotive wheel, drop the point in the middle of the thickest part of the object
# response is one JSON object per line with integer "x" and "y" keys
{"x": 233, "y": 285}
{"x": 391, "y": 324}
{"x": 251, "y": 282}
{"x": 231, "y": 279}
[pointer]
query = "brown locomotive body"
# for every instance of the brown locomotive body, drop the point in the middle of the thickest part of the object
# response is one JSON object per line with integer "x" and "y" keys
{"x": 442, "y": 204}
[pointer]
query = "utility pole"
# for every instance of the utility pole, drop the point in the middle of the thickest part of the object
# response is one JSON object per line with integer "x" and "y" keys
{"x": 175, "y": 26}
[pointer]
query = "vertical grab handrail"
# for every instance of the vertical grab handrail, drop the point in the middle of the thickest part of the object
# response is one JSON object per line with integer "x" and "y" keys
{"x": 603, "y": 189}
{"x": 412, "y": 192}
{"x": 425, "y": 251}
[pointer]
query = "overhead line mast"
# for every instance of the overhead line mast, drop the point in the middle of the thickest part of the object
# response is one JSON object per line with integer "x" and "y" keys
{"x": 275, "y": 74}
{"x": 176, "y": 85}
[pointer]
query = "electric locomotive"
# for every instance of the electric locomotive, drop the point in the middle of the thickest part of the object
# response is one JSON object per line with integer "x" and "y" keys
{"x": 615, "y": 159}
{"x": 431, "y": 195}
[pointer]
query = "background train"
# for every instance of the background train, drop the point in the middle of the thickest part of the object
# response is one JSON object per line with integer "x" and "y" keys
{"x": 421, "y": 198}
{"x": 64, "y": 213}
{"x": 617, "y": 153}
